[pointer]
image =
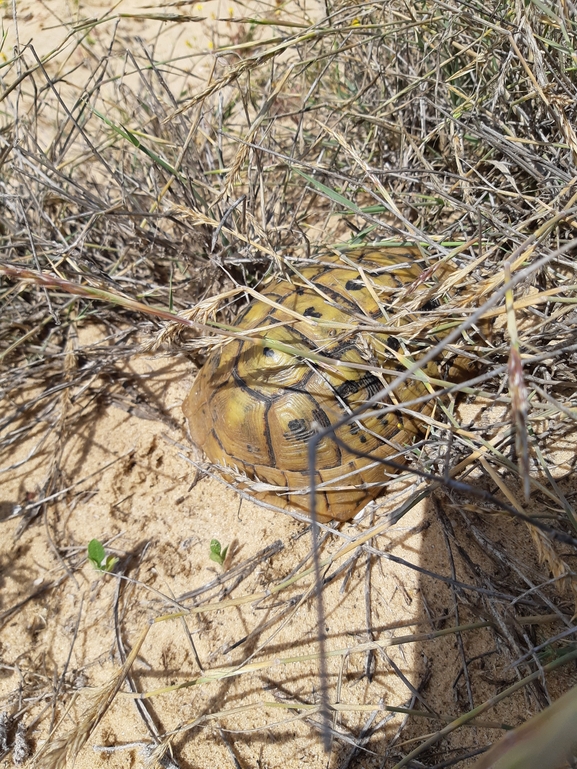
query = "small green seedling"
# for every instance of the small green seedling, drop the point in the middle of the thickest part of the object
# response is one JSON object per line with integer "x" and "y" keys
{"x": 217, "y": 554}
{"x": 98, "y": 558}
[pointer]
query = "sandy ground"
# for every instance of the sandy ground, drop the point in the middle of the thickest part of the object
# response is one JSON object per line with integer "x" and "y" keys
{"x": 131, "y": 488}
{"x": 65, "y": 627}
{"x": 45, "y": 24}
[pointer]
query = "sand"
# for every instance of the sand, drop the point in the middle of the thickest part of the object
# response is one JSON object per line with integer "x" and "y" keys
{"x": 126, "y": 480}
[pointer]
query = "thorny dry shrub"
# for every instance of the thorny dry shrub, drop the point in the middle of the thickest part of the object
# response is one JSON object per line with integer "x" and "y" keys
{"x": 446, "y": 125}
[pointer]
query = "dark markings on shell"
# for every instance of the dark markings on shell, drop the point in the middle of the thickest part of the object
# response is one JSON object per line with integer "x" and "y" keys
{"x": 300, "y": 430}
{"x": 240, "y": 317}
{"x": 339, "y": 299}
{"x": 321, "y": 418}
{"x": 267, "y": 437}
{"x": 307, "y": 344}
{"x": 254, "y": 393}
{"x": 393, "y": 343}
{"x": 216, "y": 439}
{"x": 239, "y": 382}
{"x": 352, "y": 386}
{"x": 255, "y": 408}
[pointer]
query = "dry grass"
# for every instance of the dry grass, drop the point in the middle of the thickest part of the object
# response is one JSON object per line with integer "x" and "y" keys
{"x": 447, "y": 125}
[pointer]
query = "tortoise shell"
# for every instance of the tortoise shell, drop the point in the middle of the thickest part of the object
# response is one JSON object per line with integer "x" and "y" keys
{"x": 253, "y": 408}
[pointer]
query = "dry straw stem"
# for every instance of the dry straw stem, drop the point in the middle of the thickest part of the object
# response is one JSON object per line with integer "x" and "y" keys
{"x": 58, "y": 751}
{"x": 51, "y": 281}
{"x": 133, "y": 190}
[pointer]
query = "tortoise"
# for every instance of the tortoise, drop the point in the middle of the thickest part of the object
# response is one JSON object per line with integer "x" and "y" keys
{"x": 254, "y": 406}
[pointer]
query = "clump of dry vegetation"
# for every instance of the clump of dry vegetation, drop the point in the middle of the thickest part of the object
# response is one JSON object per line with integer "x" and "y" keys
{"x": 134, "y": 189}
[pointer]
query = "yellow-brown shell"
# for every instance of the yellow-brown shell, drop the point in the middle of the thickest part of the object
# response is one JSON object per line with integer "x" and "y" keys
{"x": 253, "y": 408}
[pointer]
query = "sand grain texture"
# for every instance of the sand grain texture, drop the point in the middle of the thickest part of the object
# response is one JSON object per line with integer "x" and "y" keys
{"x": 105, "y": 442}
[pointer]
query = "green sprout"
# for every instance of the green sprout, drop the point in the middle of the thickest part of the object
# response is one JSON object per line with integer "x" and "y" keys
{"x": 217, "y": 553}
{"x": 98, "y": 558}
